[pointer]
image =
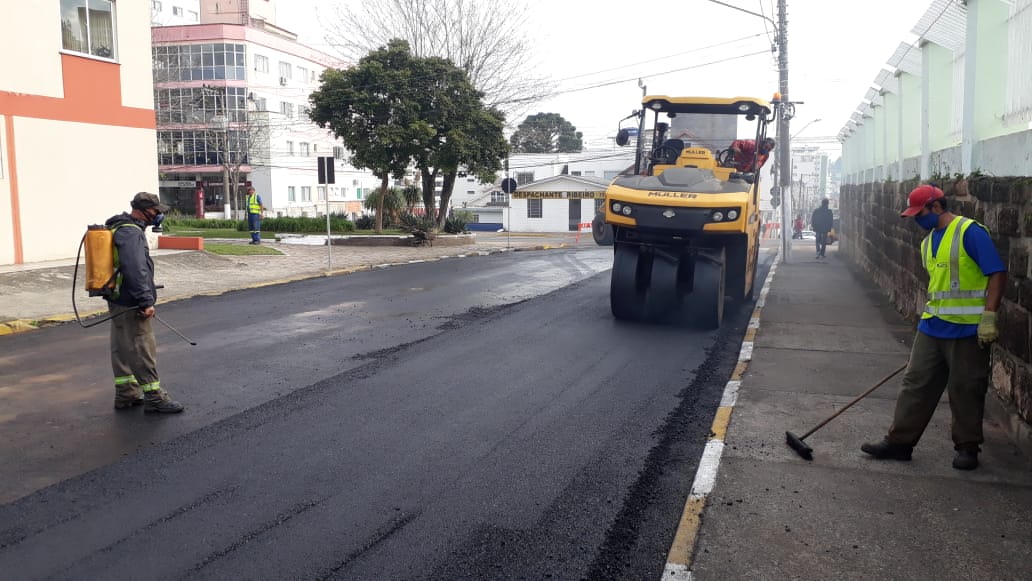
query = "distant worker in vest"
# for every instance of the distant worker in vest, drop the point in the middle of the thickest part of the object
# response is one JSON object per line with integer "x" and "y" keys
{"x": 951, "y": 349}
{"x": 133, "y": 346}
{"x": 255, "y": 212}
{"x": 822, "y": 221}
{"x": 746, "y": 159}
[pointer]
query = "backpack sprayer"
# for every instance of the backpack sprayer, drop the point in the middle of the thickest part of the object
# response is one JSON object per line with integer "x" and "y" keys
{"x": 102, "y": 275}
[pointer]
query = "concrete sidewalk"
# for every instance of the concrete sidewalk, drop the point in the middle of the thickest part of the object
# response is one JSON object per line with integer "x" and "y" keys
{"x": 824, "y": 337}
{"x": 40, "y": 294}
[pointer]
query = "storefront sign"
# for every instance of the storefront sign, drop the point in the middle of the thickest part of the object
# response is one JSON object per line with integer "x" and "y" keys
{"x": 559, "y": 195}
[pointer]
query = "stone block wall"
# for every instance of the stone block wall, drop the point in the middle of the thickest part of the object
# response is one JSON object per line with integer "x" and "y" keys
{"x": 887, "y": 247}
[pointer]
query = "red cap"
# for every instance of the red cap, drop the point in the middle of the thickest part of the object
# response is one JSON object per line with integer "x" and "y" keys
{"x": 921, "y": 197}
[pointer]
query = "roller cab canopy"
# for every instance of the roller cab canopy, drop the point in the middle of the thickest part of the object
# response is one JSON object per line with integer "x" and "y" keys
{"x": 707, "y": 105}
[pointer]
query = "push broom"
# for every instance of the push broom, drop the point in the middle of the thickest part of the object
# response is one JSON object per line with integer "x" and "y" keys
{"x": 796, "y": 442}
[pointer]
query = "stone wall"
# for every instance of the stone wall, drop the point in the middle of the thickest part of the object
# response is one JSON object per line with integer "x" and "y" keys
{"x": 885, "y": 246}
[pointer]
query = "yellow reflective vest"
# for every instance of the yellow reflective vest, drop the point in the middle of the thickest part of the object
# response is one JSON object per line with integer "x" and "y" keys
{"x": 956, "y": 285}
{"x": 253, "y": 207}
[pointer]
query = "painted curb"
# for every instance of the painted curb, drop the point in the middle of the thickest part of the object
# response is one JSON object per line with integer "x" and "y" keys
{"x": 25, "y": 325}
{"x": 682, "y": 550}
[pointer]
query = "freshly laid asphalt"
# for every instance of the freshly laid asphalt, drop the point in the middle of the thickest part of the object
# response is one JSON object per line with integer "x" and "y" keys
{"x": 824, "y": 336}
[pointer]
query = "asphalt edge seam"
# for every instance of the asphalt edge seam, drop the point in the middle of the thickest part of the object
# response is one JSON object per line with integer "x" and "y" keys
{"x": 24, "y": 325}
{"x": 682, "y": 550}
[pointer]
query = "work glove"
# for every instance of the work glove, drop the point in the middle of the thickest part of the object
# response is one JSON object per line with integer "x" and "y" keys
{"x": 987, "y": 332}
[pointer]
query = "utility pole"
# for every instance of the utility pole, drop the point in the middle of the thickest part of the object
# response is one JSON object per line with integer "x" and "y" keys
{"x": 784, "y": 139}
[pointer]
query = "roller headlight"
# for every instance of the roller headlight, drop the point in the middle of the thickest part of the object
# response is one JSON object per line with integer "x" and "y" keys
{"x": 616, "y": 207}
{"x": 626, "y": 211}
{"x": 732, "y": 215}
{"x": 718, "y": 216}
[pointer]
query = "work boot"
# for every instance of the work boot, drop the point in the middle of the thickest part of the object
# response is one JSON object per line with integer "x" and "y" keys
{"x": 966, "y": 459}
{"x": 158, "y": 401}
{"x": 887, "y": 451}
{"x": 127, "y": 396}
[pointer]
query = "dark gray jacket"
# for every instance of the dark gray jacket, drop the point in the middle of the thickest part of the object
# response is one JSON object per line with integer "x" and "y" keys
{"x": 136, "y": 284}
{"x": 822, "y": 220}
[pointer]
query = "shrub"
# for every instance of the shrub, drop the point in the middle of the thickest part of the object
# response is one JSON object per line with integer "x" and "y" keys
{"x": 303, "y": 225}
{"x": 221, "y": 224}
{"x": 422, "y": 228}
{"x": 456, "y": 222}
{"x": 365, "y": 222}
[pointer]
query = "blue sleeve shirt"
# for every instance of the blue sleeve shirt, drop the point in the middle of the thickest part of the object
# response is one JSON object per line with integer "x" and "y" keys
{"x": 980, "y": 248}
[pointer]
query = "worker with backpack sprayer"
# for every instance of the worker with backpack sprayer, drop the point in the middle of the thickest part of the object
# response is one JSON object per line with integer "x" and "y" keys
{"x": 119, "y": 268}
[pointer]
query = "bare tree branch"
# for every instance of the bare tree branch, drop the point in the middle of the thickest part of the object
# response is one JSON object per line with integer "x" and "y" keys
{"x": 482, "y": 38}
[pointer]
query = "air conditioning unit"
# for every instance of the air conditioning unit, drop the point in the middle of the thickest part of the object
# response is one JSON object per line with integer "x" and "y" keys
{"x": 283, "y": 81}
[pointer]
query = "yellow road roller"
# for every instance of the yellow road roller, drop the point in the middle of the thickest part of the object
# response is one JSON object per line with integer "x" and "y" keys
{"x": 685, "y": 218}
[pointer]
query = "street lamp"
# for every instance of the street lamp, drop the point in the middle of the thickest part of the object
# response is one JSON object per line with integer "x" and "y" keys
{"x": 804, "y": 127}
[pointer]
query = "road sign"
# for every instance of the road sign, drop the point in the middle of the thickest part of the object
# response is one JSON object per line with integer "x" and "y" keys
{"x": 508, "y": 185}
{"x": 326, "y": 170}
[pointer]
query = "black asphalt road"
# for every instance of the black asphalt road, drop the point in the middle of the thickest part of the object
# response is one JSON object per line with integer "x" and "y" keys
{"x": 468, "y": 419}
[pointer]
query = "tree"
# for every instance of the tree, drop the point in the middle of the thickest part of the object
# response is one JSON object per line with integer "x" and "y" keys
{"x": 391, "y": 205}
{"x": 393, "y": 109}
{"x": 370, "y": 107}
{"x": 485, "y": 39}
{"x": 546, "y": 133}
{"x": 467, "y": 134}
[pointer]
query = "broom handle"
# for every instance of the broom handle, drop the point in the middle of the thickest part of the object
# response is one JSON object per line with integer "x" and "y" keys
{"x": 858, "y": 398}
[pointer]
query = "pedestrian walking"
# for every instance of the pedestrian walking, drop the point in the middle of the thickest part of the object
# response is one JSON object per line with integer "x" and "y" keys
{"x": 822, "y": 221}
{"x": 255, "y": 213}
{"x": 133, "y": 346}
{"x": 951, "y": 349}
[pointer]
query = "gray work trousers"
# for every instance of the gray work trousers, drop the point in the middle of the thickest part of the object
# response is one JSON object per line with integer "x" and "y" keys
{"x": 958, "y": 366}
{"x": 134, "y": 351}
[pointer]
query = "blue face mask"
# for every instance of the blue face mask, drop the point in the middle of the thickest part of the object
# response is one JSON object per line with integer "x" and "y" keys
{"x": 929, "y": 221}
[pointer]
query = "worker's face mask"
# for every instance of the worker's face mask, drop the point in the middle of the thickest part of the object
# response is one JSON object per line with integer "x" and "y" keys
{"x": 156, "y": 222}
{"x": 929, "y": 221}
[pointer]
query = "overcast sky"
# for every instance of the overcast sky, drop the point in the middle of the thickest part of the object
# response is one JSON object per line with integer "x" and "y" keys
{"x": 836, "y": 49}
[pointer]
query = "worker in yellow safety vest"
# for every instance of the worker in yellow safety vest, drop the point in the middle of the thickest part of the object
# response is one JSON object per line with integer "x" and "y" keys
{"x": 966, "y": 279}
{"x": 255, "y": 212}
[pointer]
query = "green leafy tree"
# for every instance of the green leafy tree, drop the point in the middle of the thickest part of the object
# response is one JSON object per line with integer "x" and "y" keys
{"x": 393, "y": 110}
{"x": 370, "y": 107}
{"x": 546, "y": 133}
{"x": 390, "y": 205}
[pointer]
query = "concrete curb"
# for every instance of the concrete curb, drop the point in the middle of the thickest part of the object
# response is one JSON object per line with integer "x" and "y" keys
{"x": 25, "y": 325}
{"x": 682, "y": 550}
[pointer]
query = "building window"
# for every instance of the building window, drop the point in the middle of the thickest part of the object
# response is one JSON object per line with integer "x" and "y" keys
{"x": 599, "y": 202}
{"x": 306, "y": 193}
{"x": 291, "y": 194}
{"x": 261, "y": 63}
{"x": 290, "y": 148}
{"x": 524, "y": 177}
{"x": 302, "y": 73}
{"x": 287, "y": 109}
{"x": 285, "y": 70}
{"x": 199, "y": 105}
{"x": 88, "y": 26}
{"x": 338, "y": 152}
{"x": 304, "y": 149}
{"x": 534, "y": 208}
{"x": 199, "y": 62}
{"x": 321, "y": 191}
{"x": 177, "y": 11}
{"x": 189, "y": 147}
{"x": 156, "y": 6}
{"x": 499, "y": 197}
{"x": 194, "y": 17}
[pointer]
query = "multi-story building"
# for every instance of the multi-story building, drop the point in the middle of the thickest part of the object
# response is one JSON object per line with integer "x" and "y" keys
{"x": 76, "y": 121}
{"x": 175, "y": 12}
{"x": 232, "y": 106}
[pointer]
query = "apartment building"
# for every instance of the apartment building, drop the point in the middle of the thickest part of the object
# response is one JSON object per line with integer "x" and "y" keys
{"x": 175, "y": 12}
{"x": 231, "y": 96}
{"x": 77, "y": 129}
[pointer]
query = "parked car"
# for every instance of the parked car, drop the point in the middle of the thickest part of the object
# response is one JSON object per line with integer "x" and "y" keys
{"x": 809, "y": 235}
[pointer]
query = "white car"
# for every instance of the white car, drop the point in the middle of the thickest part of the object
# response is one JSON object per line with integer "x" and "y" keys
{"x": 808, "y": 235}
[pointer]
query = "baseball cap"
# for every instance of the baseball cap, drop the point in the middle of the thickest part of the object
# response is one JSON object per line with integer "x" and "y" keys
{"x": 920, "y": 197}
{"x": 144, "y": 200}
